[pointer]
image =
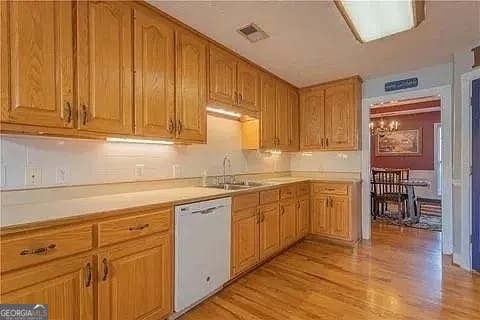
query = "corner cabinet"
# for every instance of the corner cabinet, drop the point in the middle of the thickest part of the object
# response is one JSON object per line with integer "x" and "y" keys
{"x": 191, "y": 86}
{"x": 36, "y": 48}
{"x": 336, "y": 211}
{"x": 104, "y": 60}
{"x": 330, "y": 116}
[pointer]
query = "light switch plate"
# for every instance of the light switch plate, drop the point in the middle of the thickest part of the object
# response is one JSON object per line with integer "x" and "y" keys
{"x": 61, "y": 175}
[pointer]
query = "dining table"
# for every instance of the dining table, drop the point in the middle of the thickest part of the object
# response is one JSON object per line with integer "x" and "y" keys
{"x": 412, "y": 213}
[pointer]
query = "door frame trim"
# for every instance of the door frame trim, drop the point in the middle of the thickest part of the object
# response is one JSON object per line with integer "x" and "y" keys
{"x": 445, "y": 95}
{"x": 464, "y": 257}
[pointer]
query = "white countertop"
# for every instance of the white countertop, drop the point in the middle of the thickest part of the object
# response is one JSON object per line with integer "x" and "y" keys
{"x": 12, "y": 215}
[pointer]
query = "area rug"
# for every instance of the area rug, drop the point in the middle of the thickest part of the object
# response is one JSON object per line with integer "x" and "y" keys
{"x": 427, "y": 222}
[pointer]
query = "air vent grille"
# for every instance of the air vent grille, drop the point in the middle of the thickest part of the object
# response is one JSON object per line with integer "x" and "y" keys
{"x": 253, "y": 32}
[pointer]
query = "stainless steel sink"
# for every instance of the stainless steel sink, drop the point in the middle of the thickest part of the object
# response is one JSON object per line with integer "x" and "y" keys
{"x": 242, "y": 185}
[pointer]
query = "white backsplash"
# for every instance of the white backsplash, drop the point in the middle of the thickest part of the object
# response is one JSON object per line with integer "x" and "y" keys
{"x": 333, "y": 161}
{"x": 81, "y": 162}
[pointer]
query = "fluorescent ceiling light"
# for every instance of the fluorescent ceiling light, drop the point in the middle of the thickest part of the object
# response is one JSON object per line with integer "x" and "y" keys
{"x": 374, "y": 19}
{"x": 129, "y": 140}
{"x": 224, "y": 112}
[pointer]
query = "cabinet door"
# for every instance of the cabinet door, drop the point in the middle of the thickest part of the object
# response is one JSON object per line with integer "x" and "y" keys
{"x": 269, "y": 230}
{"x": 320, "y": 217}
{"x": 340, "y": 117}
{"x": 154, "y": 75}
{"x": 36, "y": 82}
{"x": 294, "y": 119}
{"x": 248, "y": 86}
{"x": 66, "y": 285}
{"x": 245, "y": 240}
{"x": 303, "y": 216}
{"x": 135, "y": 279}
{"x": 268, "y": 110}
{"x": 191, "y": 86}
{"x": 288, "y": 223}
{"x": 340, "y": 217}
{"x": 104, "y": 33}
{"x": 311, "y": 119}
{"x": 222, "y": 71}
{"x": 283, "y": 116}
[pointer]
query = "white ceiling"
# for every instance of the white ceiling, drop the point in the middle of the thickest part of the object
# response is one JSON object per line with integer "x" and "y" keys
{"x": 310, "y": 42}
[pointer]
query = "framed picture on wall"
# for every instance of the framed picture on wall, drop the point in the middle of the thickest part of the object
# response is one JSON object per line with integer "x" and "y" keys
{"x": 400, "y": 143}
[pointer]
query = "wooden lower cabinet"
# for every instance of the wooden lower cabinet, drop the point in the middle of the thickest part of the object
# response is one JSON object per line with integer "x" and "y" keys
{"x": 269, "y": 230}
{"x": 288, "y": 223}
{"x": 335, "y": 211}
{"x": 66, "y": 285}
{"x": 245, "y": 240}
{"x": 135, "y": 279}
{"x": 302, "y": 215}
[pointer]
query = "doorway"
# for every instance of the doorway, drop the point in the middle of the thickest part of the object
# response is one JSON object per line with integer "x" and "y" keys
{"x": 476, "y": 174}
{"x": 444, "y": 94}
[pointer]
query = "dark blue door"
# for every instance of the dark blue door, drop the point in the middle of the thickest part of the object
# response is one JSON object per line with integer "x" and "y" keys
{"x": 476, "y": 174}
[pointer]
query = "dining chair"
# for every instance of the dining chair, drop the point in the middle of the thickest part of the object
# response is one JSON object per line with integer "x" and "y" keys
{"x": 386, "y": 188}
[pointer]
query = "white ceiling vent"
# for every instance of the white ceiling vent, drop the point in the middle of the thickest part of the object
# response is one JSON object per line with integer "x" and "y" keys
{"x": 252, "y": 32}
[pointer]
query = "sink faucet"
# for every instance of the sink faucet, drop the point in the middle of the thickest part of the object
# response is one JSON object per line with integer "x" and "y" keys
{"x": 226, "y": 161}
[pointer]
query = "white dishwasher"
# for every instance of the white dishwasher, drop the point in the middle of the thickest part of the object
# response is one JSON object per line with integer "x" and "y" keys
{"x": 202, "y": 250}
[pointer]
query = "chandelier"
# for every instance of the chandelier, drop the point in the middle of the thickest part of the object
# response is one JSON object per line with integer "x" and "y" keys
{"x": 381, "y": 129}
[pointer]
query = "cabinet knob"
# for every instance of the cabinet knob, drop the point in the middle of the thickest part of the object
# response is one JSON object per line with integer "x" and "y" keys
{"x": 85, "y": 114}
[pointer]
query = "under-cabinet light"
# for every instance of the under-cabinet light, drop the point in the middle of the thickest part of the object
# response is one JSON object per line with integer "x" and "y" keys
{"x": 224, "y": 112}
{"x": 372, "y": 19}
{"x": 130, "y": 140}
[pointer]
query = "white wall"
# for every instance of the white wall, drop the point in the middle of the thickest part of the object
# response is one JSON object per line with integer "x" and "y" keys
{"x": 91, "y": 162}
{"x": 350, "y": 161}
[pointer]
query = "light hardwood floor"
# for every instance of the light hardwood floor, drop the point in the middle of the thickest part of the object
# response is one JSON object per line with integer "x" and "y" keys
{"x": 399, "y": 274}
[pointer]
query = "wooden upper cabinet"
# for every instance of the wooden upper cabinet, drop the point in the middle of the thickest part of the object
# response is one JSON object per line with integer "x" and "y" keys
{"x": 283, "y": 122}
{"x": 248, "y": 86}
{"x": 340, "y": 117}
{"x": 294, "y": 113}
{"x": 104, "y": 33}
{"x": 312, "y": 119}
{"x": 222, "y": 76}
{"x": 135, "y": 279}
{"x": 66, "y": 285}
{"x": 330, "y": 115}
{"x": 154, "y": 75}
{"x": 191, "y": 86}
{"x": 268, "y": 112}
{"x": 36, "y": 81}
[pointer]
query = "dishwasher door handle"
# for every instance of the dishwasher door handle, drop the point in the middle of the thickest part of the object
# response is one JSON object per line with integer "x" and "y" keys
{"x": 208, "y": 210}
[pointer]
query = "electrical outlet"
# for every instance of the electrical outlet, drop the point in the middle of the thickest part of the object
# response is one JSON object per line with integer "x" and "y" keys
{"x": 139, "y": 170}
{"x": 61, "y": 175}
{"x": 33, "y": 176}
{"x": 176, "y": 170}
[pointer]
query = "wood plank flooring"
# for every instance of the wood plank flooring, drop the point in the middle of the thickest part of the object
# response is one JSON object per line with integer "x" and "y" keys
{"x": 399, "y": 274}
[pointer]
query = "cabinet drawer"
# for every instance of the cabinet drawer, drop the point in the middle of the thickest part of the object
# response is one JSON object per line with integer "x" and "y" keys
{"x": 19, "y": 251}
{"x": 245, "y": 213}
{"x": 245, "y": 201}
{"x": 131, "y": 227}
{"x": 287, "y": 192}
{"x": 331, "y": 188}
{"x": 268, "y": 196}
{"x": 303, "y": 188}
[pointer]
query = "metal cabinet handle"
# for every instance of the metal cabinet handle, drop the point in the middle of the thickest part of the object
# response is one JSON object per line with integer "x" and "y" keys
{"x": 179, "y": 127}
{"x": 240, "y": 96}
{"x": 88, "y": 272}
{"x": 298, "y": 204}
{"x": 321, "y": 142}
{"x": 105, "y": 269}
{"x": 236, "y": 96}
{"x": 282, "y": 210}
{"x": 38, "y": 251}
{"x": 135, "y": 228}
{"x": 84, "y": 114}
{"x": 263, "y": 217}
{"x": 67, "y": 112}
{"x": 326, "y": 141}
{"x": 171, "y": 126}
